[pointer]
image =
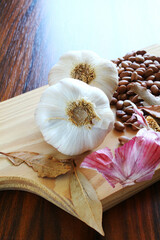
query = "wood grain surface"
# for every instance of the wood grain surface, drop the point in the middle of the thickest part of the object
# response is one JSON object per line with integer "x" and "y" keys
{"x": 26, "y": 55}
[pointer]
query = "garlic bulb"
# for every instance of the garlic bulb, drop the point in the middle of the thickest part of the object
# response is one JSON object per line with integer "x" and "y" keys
{"x": 73, "y": 116}
{"x": 88, "y": 67}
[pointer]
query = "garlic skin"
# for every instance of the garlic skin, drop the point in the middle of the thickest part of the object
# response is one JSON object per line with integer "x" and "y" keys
{"x": 88, "y": 67}
{"x": 73, "y": 116}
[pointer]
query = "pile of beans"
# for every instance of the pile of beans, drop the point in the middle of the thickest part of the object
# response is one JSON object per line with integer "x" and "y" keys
{"x": 139, "y": 67}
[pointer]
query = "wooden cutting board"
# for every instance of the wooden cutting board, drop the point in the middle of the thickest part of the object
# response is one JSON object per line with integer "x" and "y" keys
{"x": 18, "y": 132}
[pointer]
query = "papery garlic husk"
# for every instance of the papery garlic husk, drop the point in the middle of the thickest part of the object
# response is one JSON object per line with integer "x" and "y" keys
{"x": 135, "y": 161}
{"x": 73, "y": 116}
{"x": 88, "y": 67}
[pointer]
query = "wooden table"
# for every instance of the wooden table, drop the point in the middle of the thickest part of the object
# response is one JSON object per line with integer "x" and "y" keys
{"x": 27, "y": 52}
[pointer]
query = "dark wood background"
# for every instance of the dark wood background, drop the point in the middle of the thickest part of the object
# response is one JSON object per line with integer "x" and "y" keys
{"x": 27, "y": 52}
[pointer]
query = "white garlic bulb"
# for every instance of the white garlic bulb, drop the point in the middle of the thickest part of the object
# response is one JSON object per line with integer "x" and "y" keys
{"x": 73, "y": 116}
{"x": 88, "y": 67}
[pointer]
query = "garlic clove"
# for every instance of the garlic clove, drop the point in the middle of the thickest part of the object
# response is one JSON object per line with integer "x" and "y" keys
{"x": 88, "y": 67}
{"x": 103, "y": 114}
{"x": 135, "y": 161}
{"x": 66, "y": 135}
{"x": 107, "y": 77}
{"x": 67, "y": 62}
{"x": 73, "y": 116}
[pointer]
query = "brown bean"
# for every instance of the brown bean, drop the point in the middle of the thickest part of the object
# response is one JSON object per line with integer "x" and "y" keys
{"x": 123, "y": 140}
{"x": 154, "y": 68}
{"x": 129, "y": 86}
{"x": 129, "y": 54}
{"x": 157, "y": 76}
{"x": 123, "y": 82}
{"x": 125, "y": 73}
{"x": 140, "y": 71}
{"x": 129, "y": 62}
{"x": 119, "y": 105}
{"x": 125, "y": 64}
{"x": 156, "y": 62}
{"x": 152, "y": 77}
{"x": 139, "y": 77}
{"x": 120, "y": 113}
{"x": 146, "y": 56}
{"x": 129, "y": 110}
{"x": 158, "y": 59}
{"x": 125, "y": 117}
{"x": 126, "y": 78}
{"x": 142, "y": 68}
{"x": 129, "y": 69}
{"x": 149, "y": 83}
{"x": 115, "y": 94}
{"x": 139, "y": 59}
{"x": 132, "y": 58}
{"x": 147, "y": 62}
{"x": 116, "y": 62}
{"x": 148, "y": 72}
{"x": 142, "y": 65}
{"x": 119, "y": 126}
{"x": 139, "y": 81}
{"x": 144, "y": 84}
{"x": 122, "y": 96}
{"x": 134, "y": 76}
{"x": 140, "y": 104}
{"x": 121, "y": 89}
{"x": 131, "y": 97}
{"x": 134, "y": 65}
{"x": 120, "y": 70}
{"x": 132, "y": 119}
{"x": 157, "y": 83}
{"x": 126, "y": 103}
{"x": 130, "y": 93}
{"x": 152, "y": 57}
{"x": 141, "y": 52}
{"x": 135, "y": 99}
{"x": 135, "y": 126}
{"x": 113, "y": 101}
{"x": 121, "y": 59}
{"x": 155, "y": 90}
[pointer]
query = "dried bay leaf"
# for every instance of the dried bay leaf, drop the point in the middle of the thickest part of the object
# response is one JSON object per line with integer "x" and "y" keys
{"x": 153, "y": 110}
{"x": 143, "y": 93}
{"x": 85, "y": 200}
{"x": 44, "y": 164}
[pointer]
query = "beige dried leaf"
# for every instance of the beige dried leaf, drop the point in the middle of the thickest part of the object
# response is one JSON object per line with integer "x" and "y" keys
{"x": 45, "y": 164}
{"x": 154, "y": 110}
{"x": 143, "y": 93}
{"x": 85, "y": 200}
